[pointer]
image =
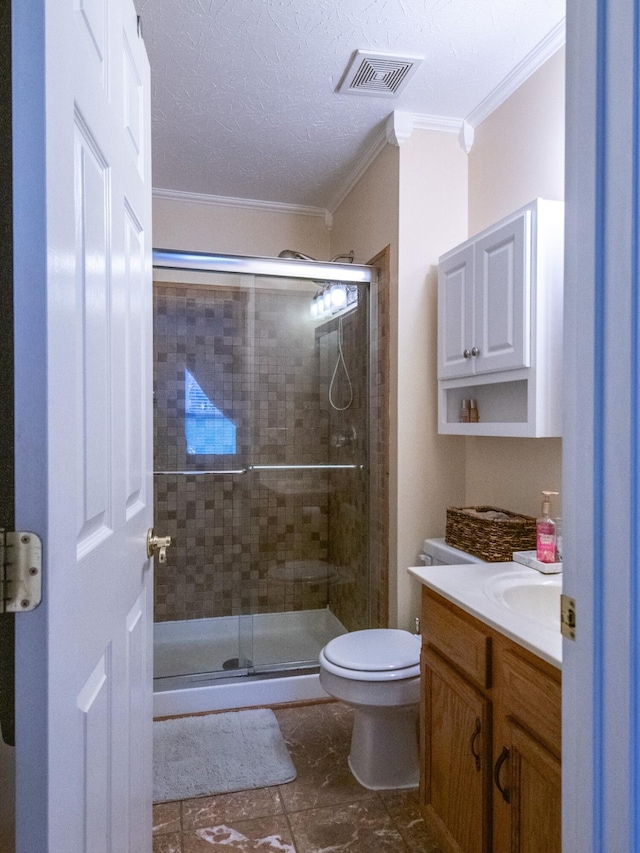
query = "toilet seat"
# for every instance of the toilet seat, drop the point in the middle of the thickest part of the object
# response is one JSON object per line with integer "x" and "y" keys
{"x": 376, "y": 654}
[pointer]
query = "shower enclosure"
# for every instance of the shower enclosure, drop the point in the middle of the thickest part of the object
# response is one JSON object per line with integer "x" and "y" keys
{"x": 262, "y": 463}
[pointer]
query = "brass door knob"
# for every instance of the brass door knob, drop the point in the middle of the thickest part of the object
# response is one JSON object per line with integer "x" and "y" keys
{"x": 157, "y": 544}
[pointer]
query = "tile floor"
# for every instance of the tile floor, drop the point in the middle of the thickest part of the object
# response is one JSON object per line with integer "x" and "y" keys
{"x": 324, "y": 809}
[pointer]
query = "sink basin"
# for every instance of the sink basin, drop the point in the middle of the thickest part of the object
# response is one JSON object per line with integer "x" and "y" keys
{"x": 536, "y": 599}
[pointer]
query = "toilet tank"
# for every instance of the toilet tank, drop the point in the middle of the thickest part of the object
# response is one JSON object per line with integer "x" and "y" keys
{"x": 436, "y": 552}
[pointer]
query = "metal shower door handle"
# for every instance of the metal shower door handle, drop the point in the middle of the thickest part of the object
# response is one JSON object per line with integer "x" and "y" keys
{"x": 157, "y": 544}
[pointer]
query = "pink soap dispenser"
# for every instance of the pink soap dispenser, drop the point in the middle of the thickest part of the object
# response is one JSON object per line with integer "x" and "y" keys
{"x": 546, "y": 532}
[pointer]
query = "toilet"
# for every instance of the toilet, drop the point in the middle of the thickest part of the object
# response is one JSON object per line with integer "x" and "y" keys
{"x": 377, "y": 672}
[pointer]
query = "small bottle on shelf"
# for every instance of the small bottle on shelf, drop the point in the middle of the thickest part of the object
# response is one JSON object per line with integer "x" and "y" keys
{"x": 474, "y": 417}
{"x": 464, "y": 412}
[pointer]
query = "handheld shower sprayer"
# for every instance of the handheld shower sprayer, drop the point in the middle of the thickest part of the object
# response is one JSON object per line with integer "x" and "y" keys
{"x": 291, "y": 254}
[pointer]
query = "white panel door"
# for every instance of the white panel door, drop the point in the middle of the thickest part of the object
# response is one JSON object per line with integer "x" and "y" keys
{"x": 502, "y": 284}
{"x": 455, "y": 314}
{"x": 83, "y": 424}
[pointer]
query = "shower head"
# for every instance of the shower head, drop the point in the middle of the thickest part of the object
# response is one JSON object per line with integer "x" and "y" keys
{"x": 293, "y": 255}
{"x": 298, "y": 256}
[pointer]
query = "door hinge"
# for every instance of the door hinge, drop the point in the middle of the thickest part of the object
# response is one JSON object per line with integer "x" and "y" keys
{"x": 568, "y": 617}
{"x": 20, "y": 571}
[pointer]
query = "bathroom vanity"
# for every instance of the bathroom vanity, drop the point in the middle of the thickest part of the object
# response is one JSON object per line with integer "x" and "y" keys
{"x": 491, "y": 707}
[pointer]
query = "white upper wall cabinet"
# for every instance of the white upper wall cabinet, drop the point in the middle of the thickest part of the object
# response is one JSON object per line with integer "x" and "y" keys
{"x": 500, "y": 326}
{"x": 483, "y": 303}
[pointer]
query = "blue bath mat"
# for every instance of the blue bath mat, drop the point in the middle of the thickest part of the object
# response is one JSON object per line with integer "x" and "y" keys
{"x": 217, "y": 754}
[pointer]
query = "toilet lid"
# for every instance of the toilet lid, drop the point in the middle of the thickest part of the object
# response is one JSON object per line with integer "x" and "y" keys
{"x": 374, "y": 650}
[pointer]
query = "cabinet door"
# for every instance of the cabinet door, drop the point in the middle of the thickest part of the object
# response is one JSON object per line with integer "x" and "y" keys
{"x": 532, "y": 779}
{"x": 457, "y": 755}
{"x": 455, "y": 314}
{"x": 501, "y": 336}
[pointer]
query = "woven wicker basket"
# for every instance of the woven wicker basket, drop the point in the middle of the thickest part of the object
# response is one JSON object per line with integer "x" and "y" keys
{"x": 493, "y": 540}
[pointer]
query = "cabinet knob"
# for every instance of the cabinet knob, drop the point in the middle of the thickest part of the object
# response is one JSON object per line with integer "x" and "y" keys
{"x": 466, "y": 353}
{"x": 475, "y": 351}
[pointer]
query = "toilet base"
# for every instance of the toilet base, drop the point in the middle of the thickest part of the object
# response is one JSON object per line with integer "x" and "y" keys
{"x": 384, "y": 747}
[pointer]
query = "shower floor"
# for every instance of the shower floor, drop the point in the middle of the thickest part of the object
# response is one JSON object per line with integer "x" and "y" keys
{"x": 271, "y": 641}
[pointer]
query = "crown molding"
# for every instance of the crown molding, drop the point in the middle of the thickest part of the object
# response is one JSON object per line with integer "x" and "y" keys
{"x": 398, "y": 127}
{"x": 466, "y": 136}
{"x": 443, "y": 124}
{"x": 243, "y": 203}
{"x": 543, "y": 51}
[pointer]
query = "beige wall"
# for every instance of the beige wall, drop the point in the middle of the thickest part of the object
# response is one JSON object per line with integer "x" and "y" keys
{"x": 511, "y": 472}
{"x": 413, "y": 198}
{"x": 517, "y": 155}
{"x": 518, "y": 151}
{"x": 204, "y": 227}
{"x": 432, "y": 218}
{"x": 367, "y": 222}
{"x": 367, "y": 219}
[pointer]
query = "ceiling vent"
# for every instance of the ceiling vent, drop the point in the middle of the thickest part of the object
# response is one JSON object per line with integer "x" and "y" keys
{"x": 375, "y": 73}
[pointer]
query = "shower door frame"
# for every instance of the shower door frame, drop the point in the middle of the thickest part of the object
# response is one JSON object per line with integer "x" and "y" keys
{"x": 317, "y": 271}
{"x": 171, "y": 259}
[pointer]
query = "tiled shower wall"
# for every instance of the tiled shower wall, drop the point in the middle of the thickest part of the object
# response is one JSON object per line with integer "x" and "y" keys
{"x": 251, "y": 542}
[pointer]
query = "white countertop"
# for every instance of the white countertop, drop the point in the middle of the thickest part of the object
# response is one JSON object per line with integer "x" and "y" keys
{"x": 470, "y": 587}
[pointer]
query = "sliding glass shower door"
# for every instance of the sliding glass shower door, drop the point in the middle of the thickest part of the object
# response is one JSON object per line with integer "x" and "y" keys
{"x": 261, "y": 472}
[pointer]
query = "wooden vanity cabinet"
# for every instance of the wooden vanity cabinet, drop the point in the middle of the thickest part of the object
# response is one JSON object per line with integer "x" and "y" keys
{"x": 490, "y": 735}
{"x": 528, "y": 735}
{"x": 457, "y": 759}
{"x": 530, "y": 821}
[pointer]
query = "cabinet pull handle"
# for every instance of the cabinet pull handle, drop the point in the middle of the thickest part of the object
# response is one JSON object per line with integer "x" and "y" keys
{"x": 506, "y": 794}
{"x": 474, "y": 736}
{"x": 466, "y": 353}
{"x": 475, "y": 351}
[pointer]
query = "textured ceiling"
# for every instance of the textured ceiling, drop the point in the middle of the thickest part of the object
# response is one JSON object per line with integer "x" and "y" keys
{"x": 244, "y": 100}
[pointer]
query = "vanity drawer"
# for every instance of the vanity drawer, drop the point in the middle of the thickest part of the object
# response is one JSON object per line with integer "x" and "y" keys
{"x": 457, "y": 636}
{"x": 532, "y": 697}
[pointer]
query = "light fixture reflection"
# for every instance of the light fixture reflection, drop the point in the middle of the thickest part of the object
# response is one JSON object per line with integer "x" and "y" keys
{"x": 333, "y": 299}
{"x": 338, "y": 296}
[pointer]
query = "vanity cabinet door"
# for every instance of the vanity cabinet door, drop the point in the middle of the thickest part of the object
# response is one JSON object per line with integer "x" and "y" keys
{"x": 456, "y": 784}
{"x": 527, "y": 794}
